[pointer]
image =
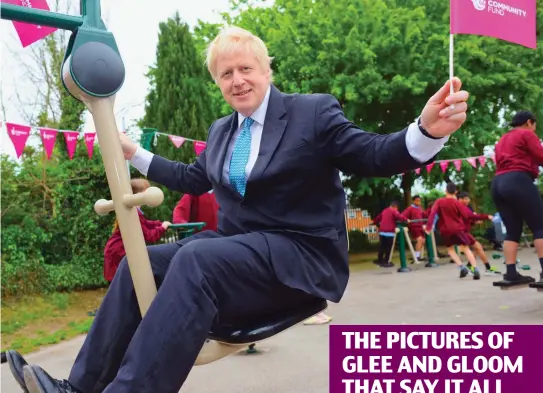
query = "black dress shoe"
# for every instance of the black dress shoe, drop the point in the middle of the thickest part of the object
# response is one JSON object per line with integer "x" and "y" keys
{"x": 38, "y": 381}
{"x": 16, "y": 363}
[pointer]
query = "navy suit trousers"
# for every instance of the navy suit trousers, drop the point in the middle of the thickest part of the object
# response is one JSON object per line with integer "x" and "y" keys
{"x": 203, "y": 280}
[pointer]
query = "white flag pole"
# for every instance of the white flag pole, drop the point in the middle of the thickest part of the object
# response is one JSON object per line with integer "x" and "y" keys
{"x": 451, "y": 60}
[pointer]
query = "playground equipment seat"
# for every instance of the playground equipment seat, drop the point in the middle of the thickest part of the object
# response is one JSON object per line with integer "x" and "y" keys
{"x": 227, "y": 339}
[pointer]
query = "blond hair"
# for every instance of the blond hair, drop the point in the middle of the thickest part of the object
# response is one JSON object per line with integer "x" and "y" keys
{"x": 232, "y": 38}
{"x": 138, "y": 185}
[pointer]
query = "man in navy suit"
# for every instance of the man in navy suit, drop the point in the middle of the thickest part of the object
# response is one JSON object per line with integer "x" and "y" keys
{"x": 274, "y": 166}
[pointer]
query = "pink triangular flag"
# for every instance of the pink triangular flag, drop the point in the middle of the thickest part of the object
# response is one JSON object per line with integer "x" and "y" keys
{"x": 444, "y": 165}
{"x": 28, "y": 32}
{"x": 19, "y": 135}
{"x": 472, "y": 161}
{"x": 417, "y": 171}
{"x": 429, "y": 167}
{"x": 48, "y": 138}
{"x": 176, "y": 140}
{"x": 493, "y": 158}
{"x": 89, "y": 141}
{"x": 199, "y": 147}
{"x": 457, "y": 164}
{"x": 71, "y": 142}
{"x": 482, "y": 160}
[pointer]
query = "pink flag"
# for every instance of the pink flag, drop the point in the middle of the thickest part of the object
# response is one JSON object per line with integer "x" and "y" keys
{"x": 176, "y": 140}
{"x": 472, "y": 161}
{"x": 19, "y": 135}
{"x": 429, "y": 167}
{"x": 457, "y": 164}
{"x": 493, "y": 158}
{"x": 71, "y": 142}
{"x": 444, "y": 165}
{"x": 482, "y": 160}
{"x": 48, "y": 138}
{"x": 30, "y": 33}
{"x": 199, "y": 147}
{"x": 417, "y": 171}
{"x": 508, "y": 20}
{"x": 89, "y": 141}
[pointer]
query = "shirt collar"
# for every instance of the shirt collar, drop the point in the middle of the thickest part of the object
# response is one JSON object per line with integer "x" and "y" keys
{"x": 260, "y": 114}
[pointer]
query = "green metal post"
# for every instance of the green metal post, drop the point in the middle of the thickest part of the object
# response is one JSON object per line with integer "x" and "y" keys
{"x": 40, "y": 17}
{"x": 430, "y": 248}
{"x": 401, "y": 244}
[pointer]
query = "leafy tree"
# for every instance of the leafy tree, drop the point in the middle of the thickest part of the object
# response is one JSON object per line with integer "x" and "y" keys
{"x": 383, "y": 60}
{"x": 178, "y": 102}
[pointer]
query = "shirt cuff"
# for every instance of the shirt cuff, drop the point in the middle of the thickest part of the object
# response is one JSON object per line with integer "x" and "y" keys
{"x": 142, "y": 160}
{"x": 419, "y": 146}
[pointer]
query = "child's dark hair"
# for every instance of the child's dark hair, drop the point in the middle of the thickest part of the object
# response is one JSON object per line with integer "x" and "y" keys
{"x": 463, "y": 194}
{"x": 416, "y": 197}
{"x": 394, "y": 203}
{"x": 138, "y": 185}
{"x": 451, "y": 188}
{"x": 522, "y": 118}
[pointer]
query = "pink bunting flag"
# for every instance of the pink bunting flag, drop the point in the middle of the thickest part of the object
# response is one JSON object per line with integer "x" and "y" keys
{"x": 482, "y": 161}
{"x": 493, "y": 158}
{"x": 29, "y": 33}
{"x": 89, "y": 141}
{"x": 71, "y": 142}
{"x": 457, "y": 164}
{"x": 472, "y": 161}
{"x": 199, "y": 147}
{"x": 444, "y": 165}
{"x": 417, "y": 171}
{"x": 176, "y": 140}
{"x": 48, "y": 138}
{"x": 19, "y": 135}
{"x": 429, "y": 167}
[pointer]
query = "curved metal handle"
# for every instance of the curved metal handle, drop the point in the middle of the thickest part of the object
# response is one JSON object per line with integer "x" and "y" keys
{"x": 152, "y": 197}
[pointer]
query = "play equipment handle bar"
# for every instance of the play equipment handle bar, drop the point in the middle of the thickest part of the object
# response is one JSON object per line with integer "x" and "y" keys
{"x": 40, "y": 17}
{"x": 189, "y": 225}
{"x": 421, "y": 220}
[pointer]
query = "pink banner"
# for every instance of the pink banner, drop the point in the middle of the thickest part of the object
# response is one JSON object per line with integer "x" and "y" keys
{"x": 482, "y": 160}
{"x": 429, "y": 167}
{"x": 199, "y": 147}
{"x": 508, "y": 20}
{"x": 19, "y": 135}
{"x": 89, "y": 141}
{"x": 71, "y": 142}
{"x": 417, "y": 171}
{"x": 176, "y": 140}
{"x": 444, "y": 165}
{"x": 30, "y": 33}
{"x": 472, "y": 161}
{"x": 493, "y": 158}
{"x": 457, "y": 164}
{"x": 48, "y": 138}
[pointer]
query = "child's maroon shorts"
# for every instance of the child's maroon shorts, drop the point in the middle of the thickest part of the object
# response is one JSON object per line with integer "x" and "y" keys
{"x": 416, "y": 233}
{"x": 459, "y": 239}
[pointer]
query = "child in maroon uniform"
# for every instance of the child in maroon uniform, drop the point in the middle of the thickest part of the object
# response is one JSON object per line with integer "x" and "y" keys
{"x": 386, "y": 221}
{"x": 202, "y": 208}
{"x": 415, "y": 212}
{"x": 451, "y": 224}
{"x": 464, "y": 199}
{"x": 152, "y": 232}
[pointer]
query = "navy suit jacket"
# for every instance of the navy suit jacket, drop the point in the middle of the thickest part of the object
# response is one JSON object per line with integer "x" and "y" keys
{"x": 294, "y": 188}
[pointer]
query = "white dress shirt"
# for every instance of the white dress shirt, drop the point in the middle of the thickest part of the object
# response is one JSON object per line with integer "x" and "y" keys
{"x": 420, "y": 147}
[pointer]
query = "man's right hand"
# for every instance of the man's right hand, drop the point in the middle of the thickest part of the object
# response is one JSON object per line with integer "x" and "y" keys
{"x": 129, "y": 147}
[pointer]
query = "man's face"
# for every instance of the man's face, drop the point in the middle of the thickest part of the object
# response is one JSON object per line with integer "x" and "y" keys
{"x": 242, "y": 80}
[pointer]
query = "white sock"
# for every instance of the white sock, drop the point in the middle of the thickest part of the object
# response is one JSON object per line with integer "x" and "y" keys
{"x": 417, "y": 253}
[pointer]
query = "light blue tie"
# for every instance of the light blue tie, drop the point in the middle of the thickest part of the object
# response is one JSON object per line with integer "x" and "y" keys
{"x": 240, "y": 157}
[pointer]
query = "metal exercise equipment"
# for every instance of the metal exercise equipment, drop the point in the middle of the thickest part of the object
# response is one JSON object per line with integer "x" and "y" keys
{"x": 93, "y": 72}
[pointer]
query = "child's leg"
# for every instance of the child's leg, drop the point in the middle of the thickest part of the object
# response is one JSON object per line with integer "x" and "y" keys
{"x": 454, "y": 256}
{"x": 381, "y": 255}
{"x": 388, "y": 249}
{"x": 471, "y": 259}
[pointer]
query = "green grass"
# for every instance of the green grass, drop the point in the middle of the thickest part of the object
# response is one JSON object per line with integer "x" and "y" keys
{"x": 30, "y": 323}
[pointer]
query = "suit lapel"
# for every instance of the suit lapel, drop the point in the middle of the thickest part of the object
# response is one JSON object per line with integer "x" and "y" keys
{"x": 274, "y": 128}
{"x": 225, "y": 135}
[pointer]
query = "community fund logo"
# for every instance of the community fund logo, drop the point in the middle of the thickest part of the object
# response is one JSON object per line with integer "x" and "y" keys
{"x": 497, "y": 8}
{"x": 479, "y": 5}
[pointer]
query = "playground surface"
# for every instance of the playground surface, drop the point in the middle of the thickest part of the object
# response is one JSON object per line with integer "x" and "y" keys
{"x": 296, "y": 361}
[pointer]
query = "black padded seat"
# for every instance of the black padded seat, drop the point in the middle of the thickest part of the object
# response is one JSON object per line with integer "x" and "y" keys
{"x": 266, "y": 326}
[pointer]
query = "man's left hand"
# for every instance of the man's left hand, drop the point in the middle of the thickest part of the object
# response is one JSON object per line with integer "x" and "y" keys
{"x": 445, "y": 113}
